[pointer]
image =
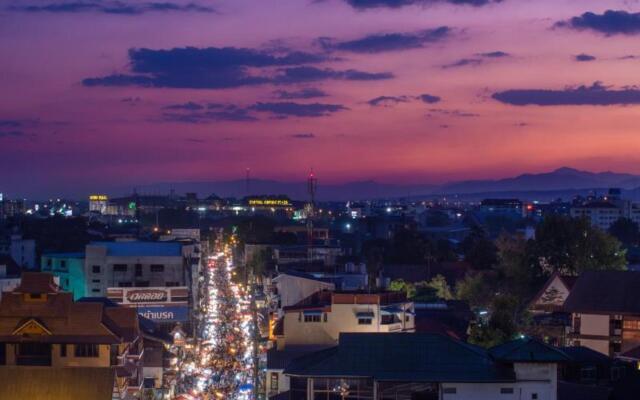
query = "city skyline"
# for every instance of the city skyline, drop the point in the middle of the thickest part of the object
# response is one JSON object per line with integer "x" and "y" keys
{"x": 101, "y": 94}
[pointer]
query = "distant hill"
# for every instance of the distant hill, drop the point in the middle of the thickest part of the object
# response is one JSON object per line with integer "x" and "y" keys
{"x": 560, "y": 179}
{"x": 562, "y": 182}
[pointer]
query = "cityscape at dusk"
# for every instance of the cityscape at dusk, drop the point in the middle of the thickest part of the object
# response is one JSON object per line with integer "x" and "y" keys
{"x": 110, "y": 94}
{"x": 319, "y": 200}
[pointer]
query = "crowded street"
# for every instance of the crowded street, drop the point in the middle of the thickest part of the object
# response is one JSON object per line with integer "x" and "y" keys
{"x": 219, "y": 364}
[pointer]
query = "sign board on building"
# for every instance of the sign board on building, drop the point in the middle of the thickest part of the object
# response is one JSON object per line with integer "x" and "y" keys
{"x": 269, "y": 202}
{"x": 149, "y": 295}
{"x": 164, "y": 313}
{"x": 98, "y": 197}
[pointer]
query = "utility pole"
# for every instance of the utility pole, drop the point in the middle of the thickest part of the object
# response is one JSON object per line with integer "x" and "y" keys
{"x": 312, "y": 184}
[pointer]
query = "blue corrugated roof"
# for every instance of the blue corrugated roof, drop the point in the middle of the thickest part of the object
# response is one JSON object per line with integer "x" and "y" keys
{"x": 141, "y": 249}
{"x": 64, "y": 255}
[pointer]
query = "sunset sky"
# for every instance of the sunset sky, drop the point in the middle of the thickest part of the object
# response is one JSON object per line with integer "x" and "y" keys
{"x": 103, "y": 94}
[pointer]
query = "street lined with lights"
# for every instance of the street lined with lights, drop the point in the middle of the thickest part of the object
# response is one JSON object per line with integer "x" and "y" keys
{"x": 220, "y": 364}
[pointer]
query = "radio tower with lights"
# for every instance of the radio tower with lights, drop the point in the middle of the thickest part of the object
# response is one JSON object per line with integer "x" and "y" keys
{"x": 312, "y": 184}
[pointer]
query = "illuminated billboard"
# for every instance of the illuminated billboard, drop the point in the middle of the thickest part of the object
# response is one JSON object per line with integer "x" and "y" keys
{"x": 135, "y": 296}
{"x": 269, "y": 202}
{"x": 98, "y": 197}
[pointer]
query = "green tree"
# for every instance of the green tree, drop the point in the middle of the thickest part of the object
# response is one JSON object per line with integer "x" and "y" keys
{"x": 441, "y": 287}
{"x": 479, "y": 250}
{"x": 477, "y": 289}
{"x": 626, "y": 231}
{"x": 399, "y": 285}
{"x": 572, "y": 245}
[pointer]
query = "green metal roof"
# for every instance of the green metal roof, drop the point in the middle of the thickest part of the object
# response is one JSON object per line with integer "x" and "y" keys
{"x": 413, "y": 357}
{"x": 528, "y": 350}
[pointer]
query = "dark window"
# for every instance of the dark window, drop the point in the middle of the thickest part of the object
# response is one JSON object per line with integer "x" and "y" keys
{"x": 119, "y": 267}
{"x": 63, "y": 350}
{"x": 87, "y": 350}
{"x": 450, "y": 390}
{"x": 3, "y": 353}
{"x": 33, "y": 354}
{"x": 171, "y": 284}
{"x": 312, "y": 318}
{"x": 506, "y": 390}
{"x": 48, "y": 262}
{"x": 615, "y": 347}
{"x": 37, "y": 296}
{"x": 142, "y": 284}
{"x": 95, "y": 269}
{"x": 63, "y": 263}
{"x": 138, "y": 269}
{"x": 124, "y": 284}
{"x": 364, "y": 321}
{"x": 95, "y": 290}
{"x": 534, "y": 396}
{"x": 95, "y": 280}
{"x": 325, "y": 317}
{"x": 149, "y": 383}
{"x": 157, "y": 268}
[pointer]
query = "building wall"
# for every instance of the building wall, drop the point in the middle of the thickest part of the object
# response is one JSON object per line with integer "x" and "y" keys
{"x": 23, "y": 252}
{"x": 341, "y": 318}
{"x": 8, "y": 284}
{"x": 531, "y": 379}
{"x": 596, "y": 328}
{"x": 283, "y": 382}
{"x": 97, "y": 282}
{"x": 103, "y": 360}
{"x": 293, "y": 289}
{"x": 592, "y": 324}
{"x": 69, "y": 271}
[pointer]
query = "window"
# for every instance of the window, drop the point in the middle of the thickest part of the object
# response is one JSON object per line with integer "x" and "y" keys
{"x": 87, "y": 350}
{"x": 138, "y": 269}
{"x": 124, "y": 284}
{"x": 48, "y": 262}
{"x": 312, "y": 318}
{"x": 632, "y": 324}
{"x": 63, "y": 350}
{"x": 364, "y": 321}
{"x": 95, "y": 290}
{"x": 95, "y": 280}
{"x": 142, "y": 283}
{"x": 449, "y": 390}
{"x": 325, "y": 316}
{"x": 95, "y": 269}
{"x": 63, "y": 264}
{"x": 534, "y": 396}
{"x": 157, "y": 268}
{"x": 506, "y": 390}
{"x": 119, "y": 267}
{"x": 172, "y": 284}
{"x": 274, "y": 381}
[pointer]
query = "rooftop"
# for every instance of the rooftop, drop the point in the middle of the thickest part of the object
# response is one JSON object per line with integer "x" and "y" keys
{"x": 64, "y": 320}
{"x": 141, "y": 249}
{"x": 605, "y": 292}
{"x": 527, "y": 350}
{"x": 409, "y": 357}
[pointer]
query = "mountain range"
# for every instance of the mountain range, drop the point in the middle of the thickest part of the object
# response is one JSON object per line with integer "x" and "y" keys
{"x": 562, "y": 182}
